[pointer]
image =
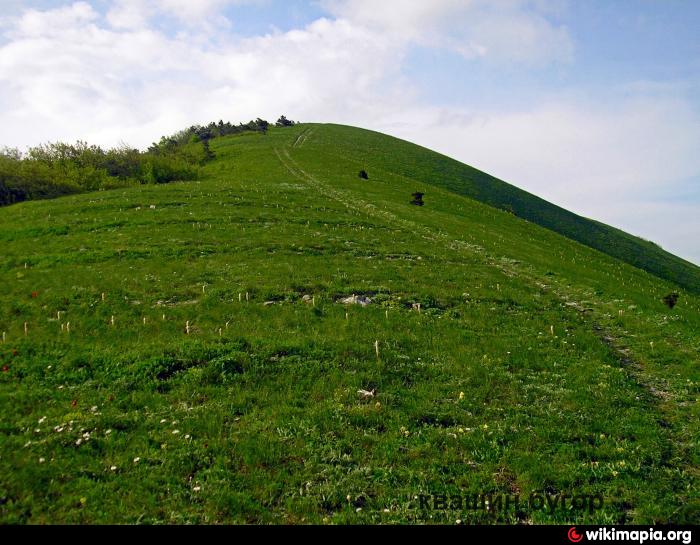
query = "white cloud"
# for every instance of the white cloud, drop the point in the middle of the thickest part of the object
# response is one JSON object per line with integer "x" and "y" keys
{"x": 133, "y": 14}
{"x": 506, "y": 31}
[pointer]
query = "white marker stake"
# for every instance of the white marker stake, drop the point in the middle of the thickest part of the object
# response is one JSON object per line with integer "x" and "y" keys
{"x": 144, "y": 320}
{"x": 187, "y": 327}
{"x": 376, "y": 348}
{"x": 163, "y": 317}
{"x": 551, "y": 329}
{"x": 68, "y": 327}
{"x": 26, "y": 328}
{"x": 103, "y": 296}
{"x": 112, "y": 320}
{"x": 386, "y": 313}
{"x": 220, "y": 332}
{"x": 4, "y": 336}
{"x": 246, "y": 296}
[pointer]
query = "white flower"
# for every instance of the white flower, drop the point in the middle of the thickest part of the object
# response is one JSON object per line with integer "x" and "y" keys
{"x": 108, "y": 432}
{"x": 163, "y": 421}
{"x": 175, "y": 432}
{"x": 42, "y": 460}
{"x": 42, "y": 420}
{"x": 80, "y": 440}
{"x": 113, "y": 468}
{"x": 137, "y": 460}
{"x": 187, "y": 436}
{"x": 197, "y": 488}
{"x": 94, "y": 408}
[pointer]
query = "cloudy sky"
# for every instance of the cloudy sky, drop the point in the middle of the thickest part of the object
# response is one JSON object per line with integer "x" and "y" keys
{"x": 593, "y": 105}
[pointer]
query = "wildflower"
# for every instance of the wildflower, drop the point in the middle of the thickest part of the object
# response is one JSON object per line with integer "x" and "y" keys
{"x": 378, "y": 405}
{"x": 485, "y": 426}
{"x": 42, "y": 420}
{"x": 137, "y": 460}
{"x": 615, "y": 473}
{"x": 197, "y": 488}
{"x": 42, "y": 460}
{"x": 163, "y": 421}
{"x": 113, "y": 468}
{"x": 461, "y": 396}
{"x": 79, "y": 441}
{"x": 93, "y": 408}
{"x": 175, "y": 432}
{"x": 187, "y": 436}
{"x": 108, "y": 432}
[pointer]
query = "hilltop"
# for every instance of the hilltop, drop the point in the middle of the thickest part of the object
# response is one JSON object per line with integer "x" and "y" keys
{"x": 190, "y": 351}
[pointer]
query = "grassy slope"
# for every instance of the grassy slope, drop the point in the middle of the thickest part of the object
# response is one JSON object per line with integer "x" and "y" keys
{"x": 269, "y": 425}
{"x": 376, "y": 150}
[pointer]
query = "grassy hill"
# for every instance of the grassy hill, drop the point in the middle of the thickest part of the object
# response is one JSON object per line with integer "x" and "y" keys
{"x": 380, "y": 152}
{"x": 180, "y": 353}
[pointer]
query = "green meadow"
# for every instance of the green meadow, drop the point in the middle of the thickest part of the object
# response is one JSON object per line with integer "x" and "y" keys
{"x": 180, "y": 353}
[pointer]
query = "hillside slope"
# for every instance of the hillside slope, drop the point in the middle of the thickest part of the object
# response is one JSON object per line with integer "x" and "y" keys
{"x": 181, "y": 353}
{"x": 379, "y": 151}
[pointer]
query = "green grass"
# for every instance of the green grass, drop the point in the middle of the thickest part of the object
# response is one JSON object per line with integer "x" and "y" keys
{"x": 563, "y": 393}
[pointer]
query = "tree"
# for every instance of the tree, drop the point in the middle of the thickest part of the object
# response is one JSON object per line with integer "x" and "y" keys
{"x": 262, "y": 125}
{"x": 417, "y": 198}
{"x": 284, "y": 122}
{"x": 670, "y": 300}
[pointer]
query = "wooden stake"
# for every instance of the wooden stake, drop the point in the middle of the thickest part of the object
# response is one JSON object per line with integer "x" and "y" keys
{"x": 376, "y": 348}
{"x": 68, "y": 327}
{"x": 551, "y": 329}
{"x": 144, "y": 320}
{"x": 26, "y": 328}
{"x": 220, "y": 332}
{"x": 246, "y": 296}
{"x": 187, "y": 327}
{"x": 386, "y": 313}
{"x": 103, "y": 296}
{"x": 239, "y": 297}
{"x": 112, "y": 320}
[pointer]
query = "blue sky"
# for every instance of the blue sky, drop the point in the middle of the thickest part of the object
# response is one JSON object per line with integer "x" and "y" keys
{"x": 593, "y": 105}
